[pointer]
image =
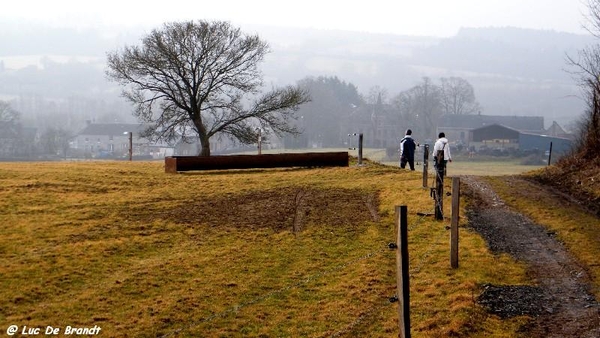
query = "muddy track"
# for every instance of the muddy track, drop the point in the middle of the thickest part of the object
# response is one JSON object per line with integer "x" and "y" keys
{"x": 560, "y": 302}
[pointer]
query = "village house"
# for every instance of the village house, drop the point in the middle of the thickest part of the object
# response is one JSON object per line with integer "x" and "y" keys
{"x": 111, "y": 140}
{"x": 379, "y": 124}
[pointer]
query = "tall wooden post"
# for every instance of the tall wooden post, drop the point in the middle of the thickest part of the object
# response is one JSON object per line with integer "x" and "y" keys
{"x": 360, "y": 148}
{"x": 259, "y": 141}
{"x": 402, "y": 275}
{"x": 550, "y": 154}
{"x": 454, "y": 224}
{"x": 439, "y": 195}
{"x": 130, "y": 146}
{"x": 425, "y": 165}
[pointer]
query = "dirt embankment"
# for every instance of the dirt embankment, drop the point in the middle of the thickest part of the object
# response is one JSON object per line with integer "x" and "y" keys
{"x": 560, "y": 302}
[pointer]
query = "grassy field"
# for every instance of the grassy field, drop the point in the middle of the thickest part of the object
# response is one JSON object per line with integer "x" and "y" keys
{"x": 255, "y": 253}
{"x": 462, "y": 165}
{"x": 495, "y": 168}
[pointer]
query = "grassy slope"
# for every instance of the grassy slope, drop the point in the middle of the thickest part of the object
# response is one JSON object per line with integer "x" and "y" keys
{"x": 142, "y": 253}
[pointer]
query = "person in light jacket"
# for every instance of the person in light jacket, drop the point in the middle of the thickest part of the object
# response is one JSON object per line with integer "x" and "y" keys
{"x": 441, "y": 153}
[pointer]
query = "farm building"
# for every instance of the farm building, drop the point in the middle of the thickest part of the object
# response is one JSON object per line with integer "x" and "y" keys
{"x": 560, "y": 145}
{"x": 524, "y": 133}
{"x": 504, "y": 138}
{"x": 458, "y": 127}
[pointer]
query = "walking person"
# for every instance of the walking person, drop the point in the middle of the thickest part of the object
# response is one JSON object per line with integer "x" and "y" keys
{"x": 407, "y": 151}
{"x": 441, "y": 154}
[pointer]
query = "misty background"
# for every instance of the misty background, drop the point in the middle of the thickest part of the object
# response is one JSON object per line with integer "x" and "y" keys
{"x": 55, "y": 77}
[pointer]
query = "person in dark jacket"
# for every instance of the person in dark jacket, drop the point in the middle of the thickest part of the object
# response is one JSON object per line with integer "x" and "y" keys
{"x": 407, "y": 151}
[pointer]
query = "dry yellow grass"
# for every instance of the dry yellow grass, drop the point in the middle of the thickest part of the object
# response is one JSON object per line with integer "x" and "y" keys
{"x": 573, "y": 226}
{"x": 142, "y": 253}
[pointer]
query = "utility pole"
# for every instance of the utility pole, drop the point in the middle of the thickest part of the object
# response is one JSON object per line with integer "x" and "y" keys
{"x": 259, "y": 141}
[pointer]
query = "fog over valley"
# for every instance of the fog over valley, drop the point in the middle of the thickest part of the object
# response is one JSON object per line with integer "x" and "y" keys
{"x": 56, "y": 77}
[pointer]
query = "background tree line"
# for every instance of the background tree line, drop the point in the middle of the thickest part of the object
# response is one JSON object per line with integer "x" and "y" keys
{"x": 19, "y": 142}
{"x": 238, "y": 107}
{"x": 334, "y": 101}
{"x": 203, "y": 78}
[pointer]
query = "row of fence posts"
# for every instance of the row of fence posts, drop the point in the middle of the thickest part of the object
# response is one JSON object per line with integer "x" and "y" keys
{"x": 403, "y": 276}
{"x": 402, "y": 259}
{"x": 425, "y": 155}
{"x": 438, "y": 191}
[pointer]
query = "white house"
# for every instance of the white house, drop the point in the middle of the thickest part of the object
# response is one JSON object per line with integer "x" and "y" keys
{"x": 111, "y": 140}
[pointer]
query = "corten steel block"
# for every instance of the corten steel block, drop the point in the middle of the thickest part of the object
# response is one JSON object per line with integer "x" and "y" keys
{"x": 174, "y": 164}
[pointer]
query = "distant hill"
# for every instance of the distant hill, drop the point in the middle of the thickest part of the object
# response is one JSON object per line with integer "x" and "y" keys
{"x": 522, "y": 53}
{"x": 514, "y": 71}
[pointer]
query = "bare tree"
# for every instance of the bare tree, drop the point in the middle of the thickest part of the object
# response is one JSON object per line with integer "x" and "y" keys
{"x": 420, "y": 107}
{"x": 458, "y": 96}
{"x": 203, "y": 78}
{"x": 55, "y": 141}
{"x": 9, "y": 129}
{"x": 8, "y": 116}
{"x": 587, "y": 69}
{"x": 377, "y": 95}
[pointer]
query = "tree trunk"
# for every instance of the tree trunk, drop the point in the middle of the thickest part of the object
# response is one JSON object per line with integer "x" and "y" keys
{"x": 202, "y": 135}
{"x": 205, "y": 149}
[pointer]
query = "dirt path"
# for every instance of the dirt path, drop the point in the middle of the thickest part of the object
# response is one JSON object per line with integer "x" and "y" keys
{"x": 560, "y": 302}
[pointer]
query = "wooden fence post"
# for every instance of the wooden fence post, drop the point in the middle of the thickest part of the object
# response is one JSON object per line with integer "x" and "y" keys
{"x": 130, "y": 146}
{"x": 402, "y": 272}
{"x": 454, "y": 224}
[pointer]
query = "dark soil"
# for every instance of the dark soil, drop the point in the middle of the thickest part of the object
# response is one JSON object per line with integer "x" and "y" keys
{"x": 560, "y": 303}
{"x": 289, "y": 208}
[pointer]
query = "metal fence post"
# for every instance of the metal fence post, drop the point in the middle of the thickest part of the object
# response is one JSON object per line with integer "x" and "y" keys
{"x": 439, "y": 195}
{"x": 425, "y": 165}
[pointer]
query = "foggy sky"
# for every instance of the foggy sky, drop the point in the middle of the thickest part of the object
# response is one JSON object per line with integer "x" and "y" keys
{"x": 526, "y": 67}
{"x": 440, "y": 18}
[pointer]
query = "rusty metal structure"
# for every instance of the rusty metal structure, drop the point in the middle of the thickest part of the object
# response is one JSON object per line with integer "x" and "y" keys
{"x": 175, "y": 164}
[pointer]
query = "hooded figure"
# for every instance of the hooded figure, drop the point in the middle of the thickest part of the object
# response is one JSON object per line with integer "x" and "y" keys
{"x": 407, "y": 151}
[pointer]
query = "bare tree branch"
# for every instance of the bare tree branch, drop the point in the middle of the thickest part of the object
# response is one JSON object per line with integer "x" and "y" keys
{"x": 587, "y": 69}
{"x": 458, "y": 96}
{"x": 197, "y": 76}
